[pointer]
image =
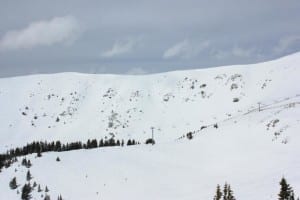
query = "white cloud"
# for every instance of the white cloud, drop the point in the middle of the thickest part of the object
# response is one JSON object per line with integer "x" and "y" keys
{"x": 285, "y": 43}
{"x": 176, "y": 50}
{"x": 185, "y": 49}
{"x": 120, "y": 47}
{"x": 41, "y": 33}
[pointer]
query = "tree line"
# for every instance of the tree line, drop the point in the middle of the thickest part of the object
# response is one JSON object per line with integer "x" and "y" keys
{"x": 39, "y": 147}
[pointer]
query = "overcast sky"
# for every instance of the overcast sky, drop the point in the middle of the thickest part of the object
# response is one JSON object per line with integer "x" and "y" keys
{"x": 136, "y": 37}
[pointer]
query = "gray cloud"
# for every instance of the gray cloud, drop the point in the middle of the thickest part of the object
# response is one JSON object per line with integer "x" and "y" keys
{"x": 136, "y": 71}
{"x": 185, "y": 49}
{"x": 175, "y": 34}
{"x": 41, "y": 33}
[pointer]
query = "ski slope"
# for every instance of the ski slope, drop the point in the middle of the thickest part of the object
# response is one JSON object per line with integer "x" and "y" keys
{"x": 256, "y": 108}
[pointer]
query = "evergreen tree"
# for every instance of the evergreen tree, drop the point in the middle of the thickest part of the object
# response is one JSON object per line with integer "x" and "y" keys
{"x": 225, "y": 192}
{"x": 13, "y": 183}
{"x": 47, "y": 197}
{"x": 39, "y": 188}
{"x": 57, "y": 159}
{"x": 57, "y": 146}
{"x": 39, "y": 154}
{"x": 59, "y": 198}
{"x": 133, "y": 142}
{"x": 94, "y": 144}
{"x": 24, "y": 162}
{"x": 88, "y": 144}
{"x": 39, "y": 150}
{"x": 46, "y": 189}
{"x": 26, "y": 190}
{"x": 230, "y": 194}
{"x": 28, "y": 164}
{"x": 101, "y": 143}
{"x": 111, "y": 142}
{"x": 28, "y": 176}
{"x": 218, "y": 195}
{"x": 286, "y": 191}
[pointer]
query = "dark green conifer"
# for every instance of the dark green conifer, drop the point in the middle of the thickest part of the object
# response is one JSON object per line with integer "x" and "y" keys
{"x": 286, "y": 191}
{"x": 218, "y": 195}
{"x": 28, "y": 176}
{"x": 13, "y": 183}
{"x": 26, "y": 190}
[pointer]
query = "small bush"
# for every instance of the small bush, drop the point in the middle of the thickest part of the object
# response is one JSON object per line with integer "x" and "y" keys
{"x": 236, "y": 100}
{"x": 150, "y": 141}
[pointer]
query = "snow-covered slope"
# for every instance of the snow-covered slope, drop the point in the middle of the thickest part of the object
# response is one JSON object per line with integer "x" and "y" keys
{"x": 252, "y": 148}
{"x": 93, "y": 106}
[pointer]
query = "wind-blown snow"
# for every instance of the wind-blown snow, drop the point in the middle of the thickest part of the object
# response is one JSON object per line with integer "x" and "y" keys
{"x": 251, "y": 150}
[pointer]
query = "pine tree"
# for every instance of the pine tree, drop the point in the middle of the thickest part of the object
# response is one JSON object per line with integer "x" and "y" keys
{"x": 13, "y": 183}
{"x": 28, "y": 176}
{"x": 24, "y": 162}
{"x": 39, "y": 188}
{"x": 218, "y": 195}
{"x": 39, "y": 154}
{"x": 59, "y": 197}
{"x": 57, "y": 159}
{"x": 26, "y": 190}
{"x": 286, "y": 191}
{"x": 230, "y": 194}
{"x": 88, "y": 144}
{"x": 47, "y": 197}
{"x": 101, "y": 143}
{"x": 46, "y": 189}
{"x": 225, "y": 192}
{"x": 57, "y": 146}
{"x": 111, "y": 142}
{"x": 39, "y": 150}
{"x": 133, "y": 142}
{"x": 28, "y": 165}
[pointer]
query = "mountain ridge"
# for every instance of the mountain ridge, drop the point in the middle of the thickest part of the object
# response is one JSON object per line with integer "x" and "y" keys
{"x": 244, "y": 123}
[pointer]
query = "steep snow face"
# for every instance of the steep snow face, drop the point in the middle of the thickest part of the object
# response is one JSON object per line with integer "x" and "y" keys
{"x": 71, "y": 106}
{"x": 256, "y": 142}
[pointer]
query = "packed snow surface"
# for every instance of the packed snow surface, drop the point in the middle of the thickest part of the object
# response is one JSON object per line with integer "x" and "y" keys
{"x": 256, "y": 108}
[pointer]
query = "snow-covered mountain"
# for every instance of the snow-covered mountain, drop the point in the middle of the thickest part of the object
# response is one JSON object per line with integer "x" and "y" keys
{"x": 256, "y": 108}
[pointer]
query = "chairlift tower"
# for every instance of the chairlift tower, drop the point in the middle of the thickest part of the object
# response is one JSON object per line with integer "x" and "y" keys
{"x": 152, "y": 131}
